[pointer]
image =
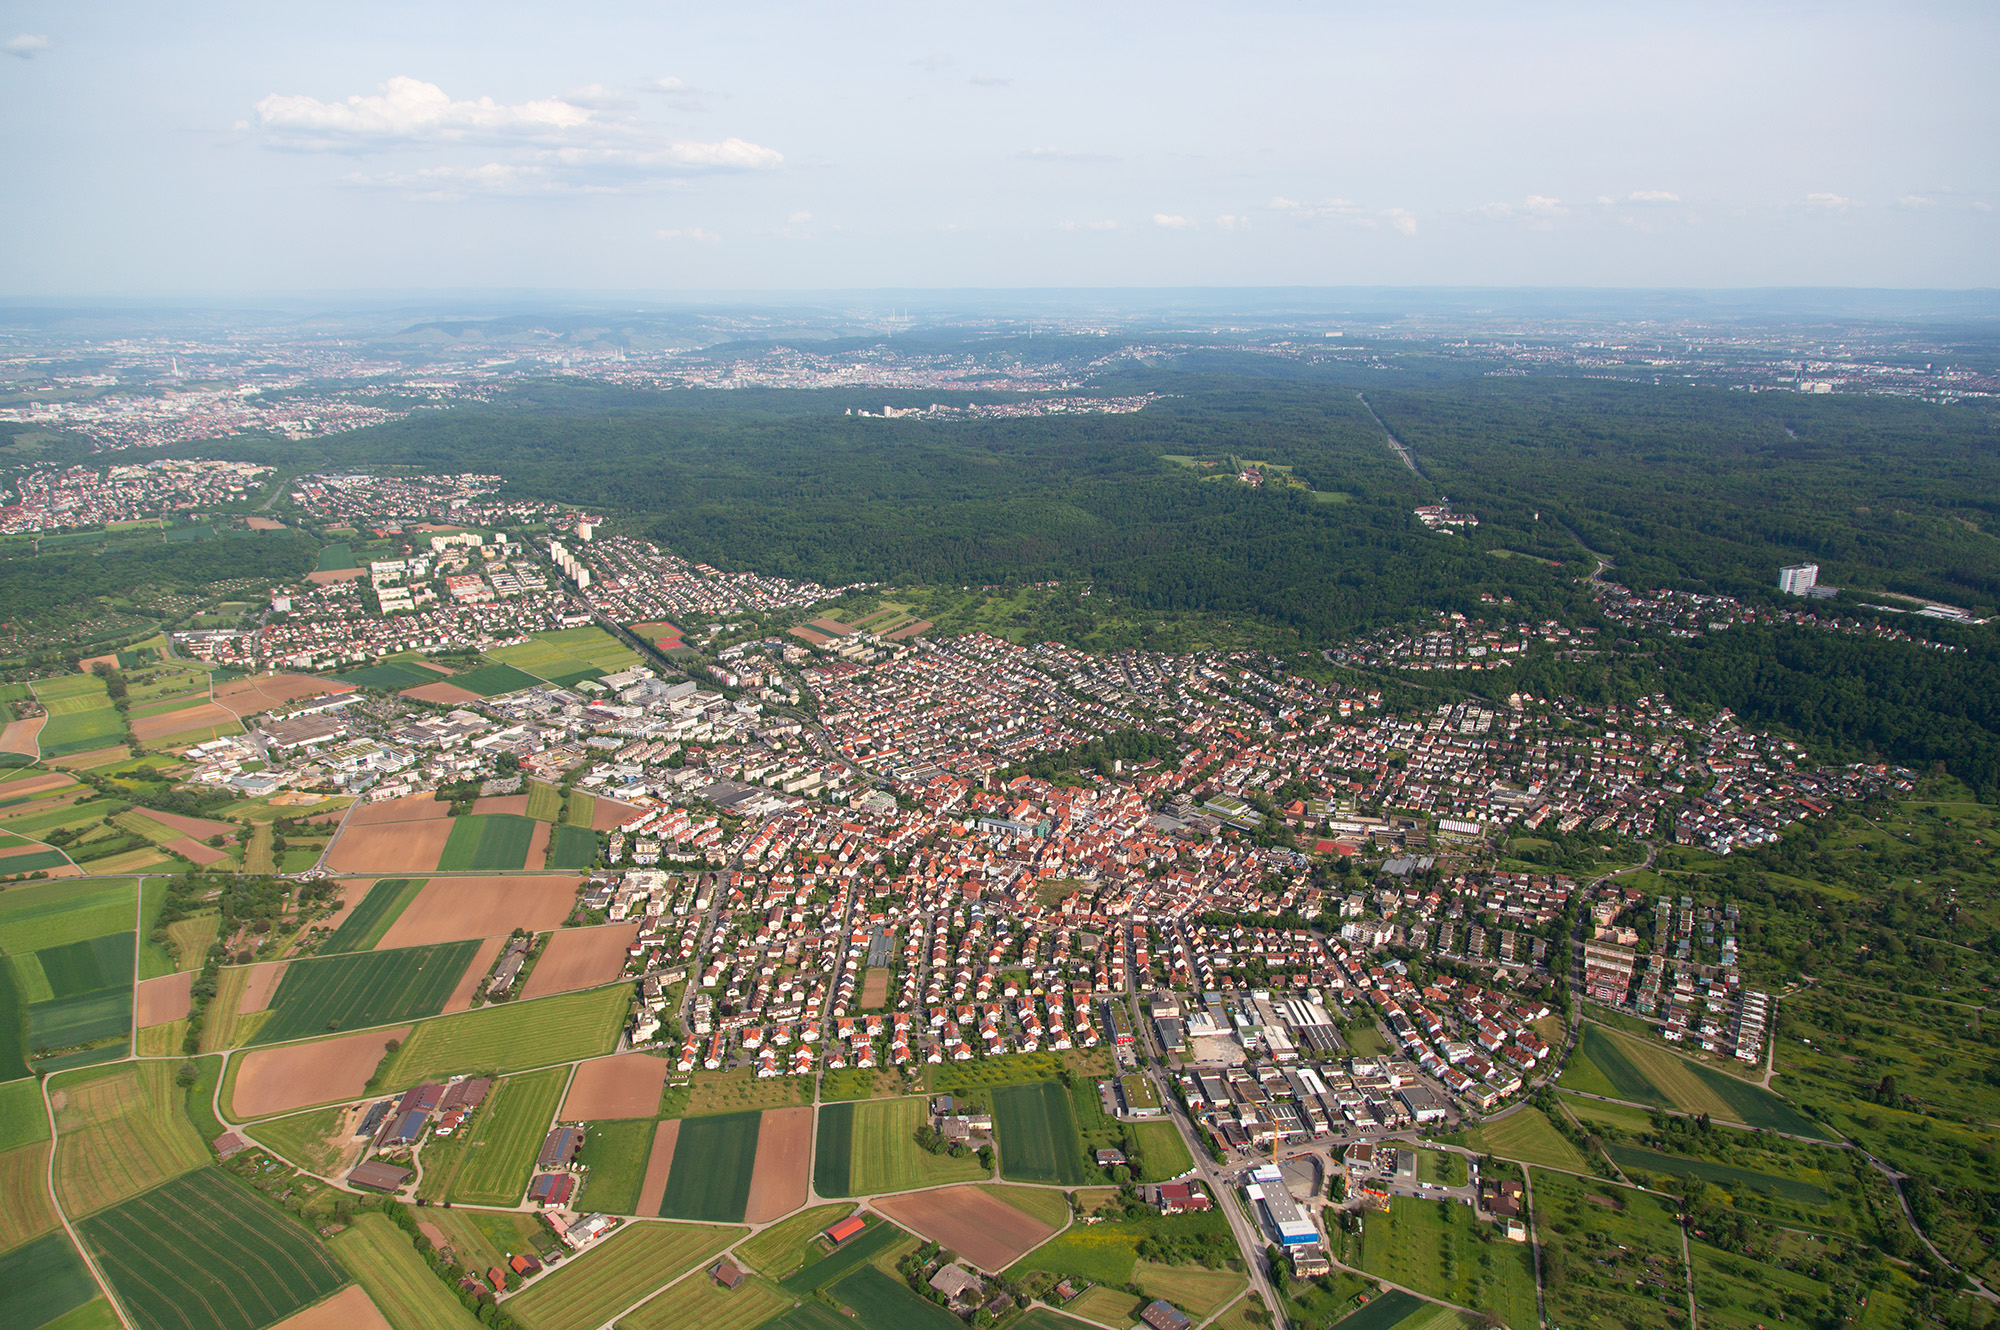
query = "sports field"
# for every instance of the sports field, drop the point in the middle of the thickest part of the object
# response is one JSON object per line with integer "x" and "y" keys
{"x": 204, "y": 1241}
{"x": 49, "y": 914}
{"x": 590, "y": 1289}
{"x": 616, "y": 1154}
{"x": 876, "y": 1139}
{"x": 713, "y": 1162}
{"x": 514, "y": 1036}
{"x": 572, "y": 847}
{"x": 384, "y": 1260}
{"x": 568, "y": 656}
{"x": 122, "y": 1130}
{"x": 506, "y": 1138}
{"x": 1527, "y": 1135}
{"x": 1609, "y": 1063}
{"x": 363, "y": 926}
{"x": 1037, "y": 1135}
{"x": 884, "y": 1303}
{"x": 488, "y": 843}
{"x": 700, "y": 1302}
{"x": 319, "y": 995}
{"x": 41, "y": 1281}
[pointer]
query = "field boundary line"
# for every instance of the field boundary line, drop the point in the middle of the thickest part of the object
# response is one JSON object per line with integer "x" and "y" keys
{"x": 76, "y": 1239}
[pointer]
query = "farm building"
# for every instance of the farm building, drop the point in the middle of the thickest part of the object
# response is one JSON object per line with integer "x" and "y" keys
{"x": 374, "y": 1175}
{"x": 957, "y": 1284}
{"x": 421, "y": 1099}
{"x": 551, "y": 1188}
{"x": 229, "y": 1143}
{"x": 560, "y": 1147}
{"x": 727, "y": 1274}
{"x": 1179, "y": 1198}
{"x": 845, "y": 1229}
{"x": 465, "y": 1094}
{"x": 373, "y": 1120}
{"x": 403, "y": 1129}
{"x": 1163, "y": 1315}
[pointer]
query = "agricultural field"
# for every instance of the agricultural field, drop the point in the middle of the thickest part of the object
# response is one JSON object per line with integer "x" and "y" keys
{"x": 1107, "y": 1252}
{"x": 870, "y": 1147}
{"x": 1443, "y": 1249}
{"x": 545, "y": 801}
{"x": 737, "y": 1090}
{"x": 384, "y": 1260}
{"x": 1610, "y": 1254}
{"x": 507, "y": 1135}
{"x": 390, "y": 675}
{"x": 81, "y": 717}
{"x": 1725, "y": 1176}
{"x": 1385, "y": 1311}
{"x": 590, "y": 1289}
{"x": 24, "y": 1171}
{"x": 698, "y": 1301}
{"x": 821, "y": 1270}
{"x": 969, "y": 1078}
{"x": 363, "y": 926}
{"x": 572, "y": 847}
{"x": 616, "y": 1153}
{"x": 204, "y": 1240}
{"x": 1162, "y": 1151}
{"x": 42, "y": 1281}
{"x": 121, "y": 1130}
{"x": 714, "y": 1158}
{"x": 78, "y": 993}
{"x": 361, "y": 989}
{"x": 22, "y": 1121}
{"x": 883, "y": 1302}
{"x": 514, "y": 1036}
{"x": 304, "y": 1139}
{"x": 782, "y": 1248}
{"x": 1621, "y": 1067}
{"x": 1037, "y": 1135}
{"x": 1197, "y": 1290}
{"x": 1528, "y": 1136}
{"x": 493, "y": 680}
{"x": 492, "y": 842}
{"x": 52, "y": 914}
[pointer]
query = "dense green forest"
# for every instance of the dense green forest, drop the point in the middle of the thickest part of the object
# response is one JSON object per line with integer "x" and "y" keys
{"x": 32, "y": 587}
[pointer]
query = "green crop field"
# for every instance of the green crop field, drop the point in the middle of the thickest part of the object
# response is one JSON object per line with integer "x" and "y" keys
{"x": 1527, "y": 1135}
{"x": 13, "y": 1028}
{"x": 833, "y": 1149}
{"x": 487, "y": 843}
{"x": 493, "y": 680}
{"x": 1614, "y": 1254}
{"x": 390, "y": 676}
{"x": 366, "y": 923}
{"x": 41, "y": 1281}
{"x": 22, "y": 1121}
{"x": 122, "y": 1129}
{"x": 699, "y": 1302}
{"x": 514, "y": 1036}
{"x": 713, "y": 1159}
{"x": 1165, "y": 1153}
{"x": 156, "y": 959}
{"x": 886, "y": 1157}
{"x": 83, "y": 1019}
{"x": 303, "y": 1138}
{"x": 206, "y": 1241}
{"x": 589, "y": 1290}
{"x": 1623, "y": 1067}
{"x": 89, "y": 965}
{"x": 507, "y": 1137}
{"x": 1037, "y": 1135}
{"x": 881, "y": 1302}
{"x": 1442, "y": 1249}
{"x": 38, "y": 861}
{"x": 1108, "y": 1252}
{"x": 354, "y": 991}
{"x": 82, "y": 732}
{"x": 878, "y": 1237}
{"x": 1726, "y": 1176}
{"x": 385, "y": 1263}
{"x": 811, "y": 1316}
{"x": 616, "y": 1153}
{"x": 1195, "y": 1289}
{"x": 572, "y": 847}
{"x": 562, "y": 656}
{"x": 40, "y": 915}
{"x": 1384, "y": 1312}
{"x": 781, "y": 1248}
{"x": 545, "y": 801}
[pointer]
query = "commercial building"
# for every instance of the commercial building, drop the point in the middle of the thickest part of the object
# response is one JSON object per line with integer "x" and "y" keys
{"x": 1796, "y": 579}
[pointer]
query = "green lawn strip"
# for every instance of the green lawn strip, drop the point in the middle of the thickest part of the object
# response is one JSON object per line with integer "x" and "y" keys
{"x": 156, "y": 959}
{"x": 487, "y": 843}
{"x": 572, "y": 847}
{"x": 882, "y": 1302}
{"x": 514, "y": 1036}
{"x": 506, "y": 1138}
{"x": 616, "y": 1155}
{"x": 1527, "y": 1135}
{"x": 206, "y": 1241}
{"x": 41, "y": 1281}
{"x": 39, "y": 915}
{"x": 1441, "y": 1248}
{"x": 385, "y": 1263}
{"x": 588, "y": 1290}
{"x": 494, "y": 680}
{"x": 1442, "y": 1167}
{"x": 83, "y": 1019}
{"x": 779, "y": 1249}
{"x": 833, "y": 1150}
{"x": 1727, "y": 1176}
{"x": 820, "y": 1271}
{"x": 1037, "y": 1135}
{"x": 367, "y": 922}
{"x": 713, "y": 1159}
{"x": 699, "y": 1303}
{"x": 1164, "y": 1154}
{"x": 885, "y": 1156}
{"x": 360, "y": 989}
{"x": 22, "y": 1121}
{"x": 545, "y": 801}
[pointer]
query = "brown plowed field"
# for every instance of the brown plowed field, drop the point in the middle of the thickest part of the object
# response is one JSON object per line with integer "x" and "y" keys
{"x": 441, "y": 692}
{"x": 278, "y": 1080}
{"x": 96, "y": 757}
{"x": 501, "y": 803}
{"x": 538, "y": 844}
{"x": 263, "y": 524}
{"x": 921, "y": 626}
{"x": 163, "y": 999}
{"x": 263, "y": 982}
{"x": 658, "y": 1165}
{"x": 51, "y": 780}
{"x": 580, "y": 958}
{"x": 179, "y": 722}
{"x": 390, "y": 848}
{"x": 409, "y": 808}
{"x": 475, "y": 970}
{"x": 875, "y": 988}
{"x": 451, "y": 909}
{"x": 200, "y": 828}
{"x": 195, "y": 850}
{"x": 349, "y": 1309}
{"x": 335, "y": 575}
{"x": 784, "y": 1158}
{"x": 625, "y": 1085}
{"x": 261, "y": 692}
{"x": 19, "y": 736}
{"x": 984, "y": 1230}
{"x": 609, "y": 814}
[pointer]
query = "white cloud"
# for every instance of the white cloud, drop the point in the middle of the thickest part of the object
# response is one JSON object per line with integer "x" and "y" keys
{"x": 1348, "y": 212}
{"x": 1537, "y": 210}
{"x": 1652, "y": 196}
{"x": 1546, "y": 207}
{"x": 1172, "y": 221}
{"x": 408, "y": 110}
{"x": 1402, "y": 221}
{"x": 800, "y": 218}
{"x": 1231, "y": 222}
{"x": 694, "y": 233}
{"x": 1830, "y": 203}
{"x": 1102, "y": 224}
{"x": 26, "y": 46}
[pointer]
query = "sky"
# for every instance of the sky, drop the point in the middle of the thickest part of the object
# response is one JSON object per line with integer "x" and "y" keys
{"x": 235, "y": 150}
